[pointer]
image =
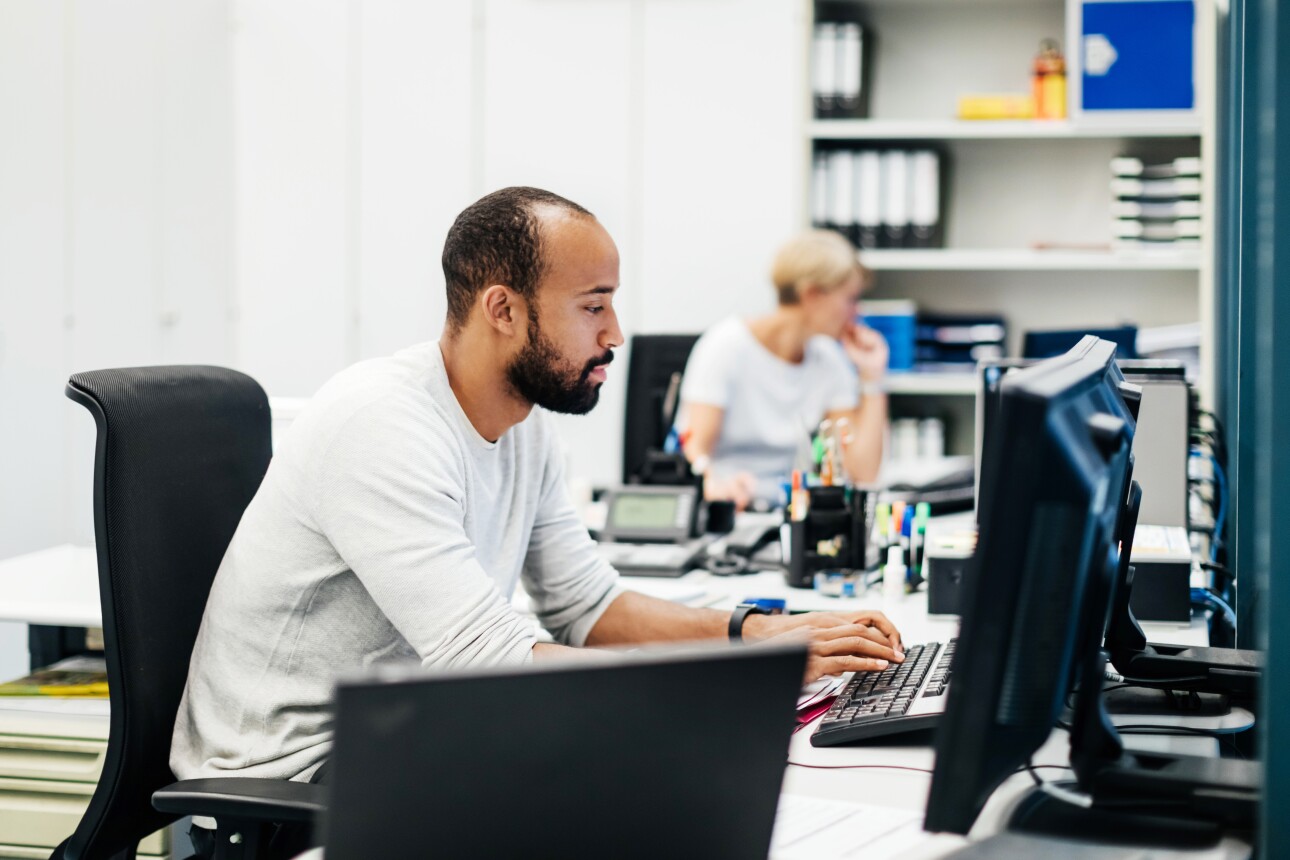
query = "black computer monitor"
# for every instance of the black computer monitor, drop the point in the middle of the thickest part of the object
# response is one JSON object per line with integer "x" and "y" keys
{"x": 1053, "y": 501}
{"x": 1056, "y": 465}
{"x": 1162, "y": 446}
{"x": 655, "y": 365}
{"x": 1046, "y": 344}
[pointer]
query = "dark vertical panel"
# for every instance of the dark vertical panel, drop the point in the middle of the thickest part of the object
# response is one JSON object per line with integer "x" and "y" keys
{"x": 1240, "y": 342}
{"x": 1227, "y": 269}
{"x": 1254, "y": 303}
{"x": 1272, "y": 529}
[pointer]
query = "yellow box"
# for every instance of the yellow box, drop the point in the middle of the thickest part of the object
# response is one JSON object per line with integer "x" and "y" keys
{"x": 997, "y": 106}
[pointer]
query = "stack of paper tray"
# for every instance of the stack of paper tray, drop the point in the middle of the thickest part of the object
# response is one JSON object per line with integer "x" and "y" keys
{"x": 51, "y": 756}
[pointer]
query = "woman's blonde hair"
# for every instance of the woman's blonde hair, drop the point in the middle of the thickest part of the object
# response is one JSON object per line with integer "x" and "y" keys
{"x": 815, "y": 258}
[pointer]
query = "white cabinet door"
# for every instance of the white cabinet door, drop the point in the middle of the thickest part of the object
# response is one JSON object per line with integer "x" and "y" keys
{"x": 292, "y": 145}
{"x": 418, "y": 166}
{"x": 724, "y": 108}
{"x": 33, "y": 271}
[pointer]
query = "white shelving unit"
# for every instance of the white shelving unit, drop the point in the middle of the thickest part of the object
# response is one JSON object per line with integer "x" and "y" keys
{"x": 1014, "y": 186}
{"x": 956, "y": 129}
{"x": 1025, "y": 260}
{"x": 917, "y": 382}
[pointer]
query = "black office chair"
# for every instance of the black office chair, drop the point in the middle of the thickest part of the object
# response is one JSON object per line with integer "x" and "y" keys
{"x": 180, "y": 453}
{"x": 655, "y": 366}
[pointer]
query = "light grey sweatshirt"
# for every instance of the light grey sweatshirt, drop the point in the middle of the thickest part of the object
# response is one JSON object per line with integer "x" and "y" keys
{"x": 386, "y": 529}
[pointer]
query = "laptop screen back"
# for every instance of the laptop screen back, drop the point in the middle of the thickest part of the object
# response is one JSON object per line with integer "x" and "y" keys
{"x": 646, "y": 755}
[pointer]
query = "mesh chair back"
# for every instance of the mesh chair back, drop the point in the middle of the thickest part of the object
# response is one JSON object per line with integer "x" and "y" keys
{"x": 180, "y": 453}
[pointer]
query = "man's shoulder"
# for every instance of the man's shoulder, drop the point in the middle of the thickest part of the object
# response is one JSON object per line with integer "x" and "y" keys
{"x": 391, "y": 391}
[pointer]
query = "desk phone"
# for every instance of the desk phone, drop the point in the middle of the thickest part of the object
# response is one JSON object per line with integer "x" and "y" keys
{"x": 652, "y": 530}
{"x": 651, "y": 514}
{"x": 655, "y": 559}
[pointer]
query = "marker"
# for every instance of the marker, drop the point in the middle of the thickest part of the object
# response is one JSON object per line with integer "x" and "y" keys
{"x": 897, "y": 519}
{"x": 800, "y": 501}
{"x": 918, "y": 545}
{"x": 881, "y": 514}
{"x": 672, "y": 442}
{"x": 906, "y": 536}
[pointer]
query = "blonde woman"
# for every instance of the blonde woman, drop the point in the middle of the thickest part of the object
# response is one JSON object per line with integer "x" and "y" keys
{"x": 754, "y": 389}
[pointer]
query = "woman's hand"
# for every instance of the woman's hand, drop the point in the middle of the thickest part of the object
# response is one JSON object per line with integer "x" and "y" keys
{"x": 837, "y": 641}
{"x": 867, "y": 350}
{"x": 739, "y": 488}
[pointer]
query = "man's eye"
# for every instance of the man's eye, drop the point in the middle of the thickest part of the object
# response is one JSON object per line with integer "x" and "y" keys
{"x": 596, "y": 309}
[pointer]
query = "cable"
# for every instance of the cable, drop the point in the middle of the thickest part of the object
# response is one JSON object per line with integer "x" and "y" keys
{"x": 1221, "y": 514}
{"x": 1203, "y": 596}
{"x": 1149, "y": 682}
{"x": 860, "y": 767}
{"x": 1030, "y": 769}
{"x": 1220, "y": 569}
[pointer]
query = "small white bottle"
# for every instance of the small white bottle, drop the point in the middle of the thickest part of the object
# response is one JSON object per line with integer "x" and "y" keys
{"x": 893, "y": 575}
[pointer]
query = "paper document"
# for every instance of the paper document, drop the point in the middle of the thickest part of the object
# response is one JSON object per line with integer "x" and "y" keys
{"x": 809, "y": 828}
{"x": 818, "y": 691}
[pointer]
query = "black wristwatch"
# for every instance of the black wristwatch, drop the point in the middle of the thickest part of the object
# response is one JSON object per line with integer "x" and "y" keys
{"x": 737, "y": 617}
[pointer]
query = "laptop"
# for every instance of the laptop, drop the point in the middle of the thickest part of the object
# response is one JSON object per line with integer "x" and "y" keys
{"x": 647, "y": 754}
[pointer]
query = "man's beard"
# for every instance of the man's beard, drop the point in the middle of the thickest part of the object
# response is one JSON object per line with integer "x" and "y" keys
{"x": 540, "y": 375}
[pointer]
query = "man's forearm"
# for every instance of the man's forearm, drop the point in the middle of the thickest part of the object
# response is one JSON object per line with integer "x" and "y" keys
{"x": 552, "y": 651}
{"x": 635, "y": 618}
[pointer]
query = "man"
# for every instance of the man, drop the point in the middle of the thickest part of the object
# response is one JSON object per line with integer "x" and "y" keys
{"x": 415, "y": 491}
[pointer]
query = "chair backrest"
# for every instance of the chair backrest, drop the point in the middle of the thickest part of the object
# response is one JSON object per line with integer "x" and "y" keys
{"x": 654, "y": 358}
{"x": 180, "y": 453}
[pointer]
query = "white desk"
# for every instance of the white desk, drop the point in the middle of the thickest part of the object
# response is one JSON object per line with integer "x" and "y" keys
{"x": 60, "y": 586}
{"x": 907, "y": 789}
{"x": 57, "y": 586}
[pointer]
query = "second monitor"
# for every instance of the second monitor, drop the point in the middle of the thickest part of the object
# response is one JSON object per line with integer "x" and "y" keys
{"x": 1052, "y": 499}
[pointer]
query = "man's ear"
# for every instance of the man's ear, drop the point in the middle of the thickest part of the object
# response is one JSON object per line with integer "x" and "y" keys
{"x": 503, "y": 309}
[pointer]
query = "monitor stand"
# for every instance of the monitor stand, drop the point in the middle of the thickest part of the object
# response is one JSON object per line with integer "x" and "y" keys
{"x": 1155, "y": 701}
{"x": 1042, "y": 814}
{"x": 1137, "y": 798}
{"x": 1165, "y": 799}
{"x": 1232, "y": 671}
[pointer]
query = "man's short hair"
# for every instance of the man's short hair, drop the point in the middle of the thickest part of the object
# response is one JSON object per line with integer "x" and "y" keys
{"x": 498, "y": 240}
{"x": 823, "y": 259}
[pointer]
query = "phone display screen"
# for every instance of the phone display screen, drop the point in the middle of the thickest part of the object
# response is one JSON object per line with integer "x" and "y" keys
{"x": 643, "y": 511}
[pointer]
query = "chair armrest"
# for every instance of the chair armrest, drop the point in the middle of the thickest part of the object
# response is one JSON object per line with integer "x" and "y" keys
{"x": 242, "y": 798}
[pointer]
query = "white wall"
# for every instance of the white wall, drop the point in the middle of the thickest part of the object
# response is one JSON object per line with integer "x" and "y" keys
{"x": 115, "y": 231}
{"x": 267, "y": 185}
{"x": 364, "y": 128}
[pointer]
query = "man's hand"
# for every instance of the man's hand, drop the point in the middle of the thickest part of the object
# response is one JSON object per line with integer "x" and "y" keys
{"x": 867, "y": 350}
{"x": 838, "y": 642}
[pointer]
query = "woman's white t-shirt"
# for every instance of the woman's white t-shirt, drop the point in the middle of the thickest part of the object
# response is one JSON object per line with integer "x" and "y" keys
{"x": 772, "y": 406}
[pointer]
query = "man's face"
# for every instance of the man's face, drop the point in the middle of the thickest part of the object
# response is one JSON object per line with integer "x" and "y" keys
{"x": 572, "y": 326}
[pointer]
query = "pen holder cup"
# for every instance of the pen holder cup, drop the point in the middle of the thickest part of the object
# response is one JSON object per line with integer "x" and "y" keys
{"x": 830, "y": 537}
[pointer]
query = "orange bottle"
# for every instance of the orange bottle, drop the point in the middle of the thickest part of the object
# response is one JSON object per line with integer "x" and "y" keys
{"x": 1049, "y": 81}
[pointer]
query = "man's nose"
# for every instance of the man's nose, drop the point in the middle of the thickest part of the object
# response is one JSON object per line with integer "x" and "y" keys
{"x": 612, "y": 336}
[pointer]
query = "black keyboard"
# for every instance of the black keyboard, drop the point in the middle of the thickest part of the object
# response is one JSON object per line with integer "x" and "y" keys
{"x": 904, "y": 697}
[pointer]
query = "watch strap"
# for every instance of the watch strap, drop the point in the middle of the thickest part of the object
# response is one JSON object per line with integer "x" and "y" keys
{"x": 742, "y": 611}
